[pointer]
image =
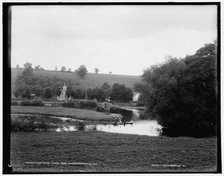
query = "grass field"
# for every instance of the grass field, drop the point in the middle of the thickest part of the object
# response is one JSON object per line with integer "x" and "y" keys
{"x": 91, "y": 80}
{"x": 111, "y": 152}
{"x": 81, "y": 114}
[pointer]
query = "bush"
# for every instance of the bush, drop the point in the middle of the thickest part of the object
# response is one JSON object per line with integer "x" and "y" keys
{"x": 121, "y": 93}
{"x": 69, "y": 104}
{"x": 100, "y": 109}
{"x": 27, "y": 124}
{"x": 127, "y": 115}
{"x": 32, "y": 103}
{"x": 87, "y": 104}
{"x": 14, "y": 103}
{"x": 81, "y": 126}
{"x": 140, "y": 103}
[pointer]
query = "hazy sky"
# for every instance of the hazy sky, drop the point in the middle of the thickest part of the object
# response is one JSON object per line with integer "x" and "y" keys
{"x": 121, "y": 39}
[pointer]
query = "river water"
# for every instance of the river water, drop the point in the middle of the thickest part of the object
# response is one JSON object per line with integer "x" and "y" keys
{"x": 132, "y": 125}
{"x": 141, "y": 127}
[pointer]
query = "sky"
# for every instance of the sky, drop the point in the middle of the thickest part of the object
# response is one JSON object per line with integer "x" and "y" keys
{"x": 120, "y": 39}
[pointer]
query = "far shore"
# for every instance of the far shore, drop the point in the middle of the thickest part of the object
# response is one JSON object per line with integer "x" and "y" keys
{"x": 81, "y": 114}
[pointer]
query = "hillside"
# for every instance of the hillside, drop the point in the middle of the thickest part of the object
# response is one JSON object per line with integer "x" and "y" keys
{"x": 91, "y": 80}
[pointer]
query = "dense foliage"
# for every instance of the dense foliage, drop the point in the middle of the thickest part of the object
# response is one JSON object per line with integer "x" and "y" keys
{"x": 182, "y": 93}
{"x": 28, "y": 69}
{"x": 82, "y": 71}
{"x": 49, "y": 88}
{"x": 121, "y": 93}
{"x": 44, "y": 87}
{"x": 35, "y": 102}
{"x": 100, "y": 93}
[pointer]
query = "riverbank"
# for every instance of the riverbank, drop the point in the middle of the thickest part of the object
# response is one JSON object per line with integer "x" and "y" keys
{"x": 80, "y": 114}
{"x": 110, "y": 152}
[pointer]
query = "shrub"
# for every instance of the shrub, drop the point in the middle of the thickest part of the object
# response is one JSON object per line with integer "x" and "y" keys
{"x": 14, "y": 103}
{"x": 127, "y": 114}
{"x": 27, "y": 124}
{"x": 36, "y": 102}
{"x": 69, "y": 104}
{"x": 121, "y": 93}
{"x": 100, "y": 109}
{"x": 140, "y": 103}
{"x": 87, "y": 104}
{"x": 81, "y": 126}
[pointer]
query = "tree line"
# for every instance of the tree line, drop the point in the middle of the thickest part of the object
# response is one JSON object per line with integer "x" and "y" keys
{"x": 182, "y": 93}
{"x": 28, "y": 83}
{"x": 81, "y": 71}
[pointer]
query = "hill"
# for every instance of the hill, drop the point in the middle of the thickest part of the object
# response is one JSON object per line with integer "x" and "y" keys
{"x": 91, "y": 80}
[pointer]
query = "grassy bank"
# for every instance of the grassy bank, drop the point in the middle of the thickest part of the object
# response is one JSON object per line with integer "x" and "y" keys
{"x": 111, "y": 152}
{"x": 62, "y": 112}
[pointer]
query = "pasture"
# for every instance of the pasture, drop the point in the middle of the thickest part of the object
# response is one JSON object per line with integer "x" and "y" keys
{"x": 91, "y": 80}
{"x": 81, "y": 114}
{"x": 111, "y": 152}
{"x": 105, "y": 152}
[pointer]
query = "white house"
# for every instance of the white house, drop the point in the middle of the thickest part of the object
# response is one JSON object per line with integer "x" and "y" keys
{"x": 136, "y": 96}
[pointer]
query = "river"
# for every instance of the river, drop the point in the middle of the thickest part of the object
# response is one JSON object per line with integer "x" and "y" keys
{"x": 128, "y": 125}
{"x": 134, "y": 125}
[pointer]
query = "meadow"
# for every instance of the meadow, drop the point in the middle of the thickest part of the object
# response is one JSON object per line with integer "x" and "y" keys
{"x": 91, "y": 80}
{"x": 81, "y": 114}
{"x": 105, "y": 152}
{"x": 111, "y": 152}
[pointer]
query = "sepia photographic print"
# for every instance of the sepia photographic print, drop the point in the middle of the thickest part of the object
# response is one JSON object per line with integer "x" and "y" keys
{"x": 111, "y": 88}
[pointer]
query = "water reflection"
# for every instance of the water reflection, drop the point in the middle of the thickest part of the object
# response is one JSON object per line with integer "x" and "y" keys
{"x": 128, "y": 125}
{"x": 141, "y": 127}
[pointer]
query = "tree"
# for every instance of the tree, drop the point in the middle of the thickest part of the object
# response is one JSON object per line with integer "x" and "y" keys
{"x": 48, "y": 92}
{"x": 106, "y": 88}
{"x": 82, "y": 71}
{"x": 181, "y": 93}
{"x": 56, "y": 69}
{"x": 96, "y": 93}
{"x": 16, "y": 93}
{"x": 96, "y": 70}
{"x": 121, "y": 93}
{"x": 58, "y": 91}
{"x": 89, "y": 93}
{"x": 79, "y": 93}
{"x": 69, "y": 70}
{"x": 28, "y": 69}
{"x": 37, "y": 68}
{"x": 17, "y": 66}
{"x": 37, "y": 90}
{"x": 63, "y": 69}
{"x": 26, "y": 93}
{"x": 70, "y": 92}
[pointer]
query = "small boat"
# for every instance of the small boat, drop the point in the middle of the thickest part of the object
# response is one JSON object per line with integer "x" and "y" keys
{"x": 123, "y": 123}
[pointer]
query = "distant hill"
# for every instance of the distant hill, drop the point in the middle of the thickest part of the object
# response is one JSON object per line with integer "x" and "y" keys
{"x": 91, "y": 80}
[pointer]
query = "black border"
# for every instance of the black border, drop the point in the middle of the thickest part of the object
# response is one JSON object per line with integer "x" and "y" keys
{"x": 6, "y": 18}
{"x": 6, "y": 86}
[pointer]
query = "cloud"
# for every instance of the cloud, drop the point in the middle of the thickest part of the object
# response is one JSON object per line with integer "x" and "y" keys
{"x": 111, "y": 22}
{"x": 109, "y": 37}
